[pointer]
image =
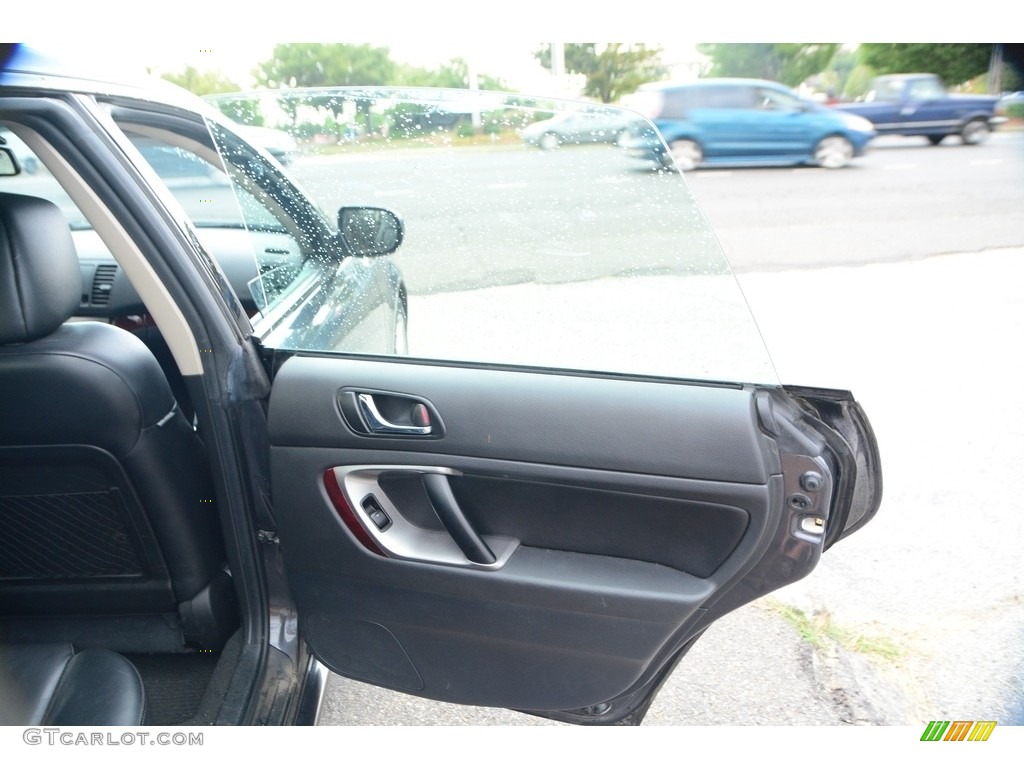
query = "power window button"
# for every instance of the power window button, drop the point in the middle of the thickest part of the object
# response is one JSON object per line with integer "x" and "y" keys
{"x": 376, "y": 513}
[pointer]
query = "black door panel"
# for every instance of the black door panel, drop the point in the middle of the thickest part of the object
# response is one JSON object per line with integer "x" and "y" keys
{"x": 621, "y": 512}
{"x": 684, "y": 534}
{"x": 545, "y": 418}
{"x": 526, "y": 638}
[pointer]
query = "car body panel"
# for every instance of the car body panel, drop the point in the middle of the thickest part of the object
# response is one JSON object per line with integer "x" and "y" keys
{"x": 581, "y": 126}
{"x": 740, "y": 122}
{"x": 918, "y": 105}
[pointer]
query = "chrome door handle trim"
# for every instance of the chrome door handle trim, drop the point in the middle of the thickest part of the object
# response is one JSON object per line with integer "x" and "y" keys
{"x": 378, "y": 425}
{"x": 402, "y": 540}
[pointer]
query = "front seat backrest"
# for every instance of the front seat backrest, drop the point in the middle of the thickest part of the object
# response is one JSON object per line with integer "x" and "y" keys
{"x": 105, "y": 493}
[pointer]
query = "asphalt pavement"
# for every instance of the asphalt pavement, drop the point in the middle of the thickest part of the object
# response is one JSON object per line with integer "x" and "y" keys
{"x": 751, "y": 668}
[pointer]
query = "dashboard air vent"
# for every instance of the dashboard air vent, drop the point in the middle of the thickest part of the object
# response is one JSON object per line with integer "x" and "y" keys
{"x": 102, "y": 283}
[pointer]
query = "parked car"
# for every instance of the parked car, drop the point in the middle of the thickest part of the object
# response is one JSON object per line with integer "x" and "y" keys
{"x": 919, "y": 105}
{"x": 1008, "y": 100}
{"x": 281, "y": 144}
{"x": 587, "y": 125}
{"x": 537, "y": 495}
{"x": 725, "y": 121}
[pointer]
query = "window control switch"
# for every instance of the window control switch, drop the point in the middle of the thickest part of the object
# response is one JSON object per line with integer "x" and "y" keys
{"x": 376, "y": 513}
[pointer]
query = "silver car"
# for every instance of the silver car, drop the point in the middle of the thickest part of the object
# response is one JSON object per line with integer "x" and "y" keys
{"x": 597, "y": 124}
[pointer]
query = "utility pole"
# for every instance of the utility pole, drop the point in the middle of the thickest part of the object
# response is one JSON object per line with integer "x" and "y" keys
{"x": 557, "y": 59}
{"x": 995, "y": 70}
{"x": 474, "y": 84}
{"x": 562, "y": 81}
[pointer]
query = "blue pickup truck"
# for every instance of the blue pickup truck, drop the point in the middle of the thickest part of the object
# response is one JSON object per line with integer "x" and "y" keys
{"x": 919, "y": 105}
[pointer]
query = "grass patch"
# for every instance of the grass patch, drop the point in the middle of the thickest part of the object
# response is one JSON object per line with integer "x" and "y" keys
{"x": 819, "y": 630}
{"x": 428, "y": 141}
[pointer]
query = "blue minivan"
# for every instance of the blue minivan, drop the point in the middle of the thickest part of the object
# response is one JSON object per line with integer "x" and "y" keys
{"x": 725, "y": 121}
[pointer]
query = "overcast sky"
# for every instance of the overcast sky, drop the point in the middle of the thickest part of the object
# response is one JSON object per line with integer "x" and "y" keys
{"x": 510, "y": 61}
{"x": 499, "y": 37}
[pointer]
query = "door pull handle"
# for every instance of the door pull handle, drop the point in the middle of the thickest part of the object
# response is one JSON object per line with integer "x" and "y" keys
{"x": 419, "y": 418}
{"x": 448, "y": 511}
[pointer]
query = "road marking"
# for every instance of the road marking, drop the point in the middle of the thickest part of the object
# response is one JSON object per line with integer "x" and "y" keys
{"x": 900, "y": 167}
{"x": 986, "y": 162}
{"x": 708, "y": 174}
{"x": 509, "y": 185}
{"x": 808, "y": 170}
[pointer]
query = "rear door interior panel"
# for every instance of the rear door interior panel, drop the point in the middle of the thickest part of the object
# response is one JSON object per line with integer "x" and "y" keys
{"x": 617, "y": 512}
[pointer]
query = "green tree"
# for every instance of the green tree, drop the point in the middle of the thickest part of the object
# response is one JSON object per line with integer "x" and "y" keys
{"x": 839, "y": 70}
{"x": 858, "y": 82}
{"x": 1013, "y": 67}
{"x": 306, "y": 65}
{"x": 612, "y": 70}
{"x": 846, "y": 76}
{"x": 299, "y": 65}
{"x": 955, "y": 63}
{"x": 741, "y": 60}
{"x": 244, "y": 111}
{"x": 454, "y": 74}
{"x": 789, "y": 63}
{"x": 202, "y": 83}
{"x": 798, "y": 61}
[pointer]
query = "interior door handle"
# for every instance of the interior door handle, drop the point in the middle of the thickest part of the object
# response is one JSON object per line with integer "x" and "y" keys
{"x": 366, "y": 509}
{"x": 377, "y": 424}
{"x": 448, "y": 511}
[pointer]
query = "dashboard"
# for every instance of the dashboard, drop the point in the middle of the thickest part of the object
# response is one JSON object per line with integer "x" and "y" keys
{"x": 107, "y": 293}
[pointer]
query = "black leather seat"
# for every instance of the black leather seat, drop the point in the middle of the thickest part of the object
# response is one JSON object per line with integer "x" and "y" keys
{"x": 52, "y": 685}
{"x": 106, "y": 500}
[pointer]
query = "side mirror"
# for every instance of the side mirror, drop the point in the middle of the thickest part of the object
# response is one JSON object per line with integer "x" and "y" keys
{"x": 8, "y": 162}
{"x": 366, "y": 231}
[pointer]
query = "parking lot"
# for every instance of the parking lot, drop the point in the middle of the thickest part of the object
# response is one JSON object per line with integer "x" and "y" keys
{"x": 897, "y": 278}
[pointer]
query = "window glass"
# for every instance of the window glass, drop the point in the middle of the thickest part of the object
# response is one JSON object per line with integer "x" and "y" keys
{"x": 35, "y": 180}
{"x": 582, "y": 257}
{"x": 724, "y": 97}
{"x": 770, "y": 99}
{"x": 887, "y": 90}
{"x": 922, "y": 90}
{"x": 201, "y": 188}
{"x": 652, "y": 102}
{"x": 232, "y": 221}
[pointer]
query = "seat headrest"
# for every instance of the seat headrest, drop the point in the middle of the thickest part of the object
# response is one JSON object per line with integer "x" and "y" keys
{"x": 40, "y": 280}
